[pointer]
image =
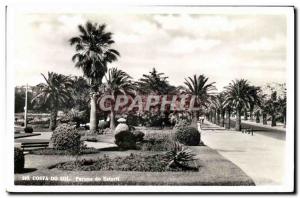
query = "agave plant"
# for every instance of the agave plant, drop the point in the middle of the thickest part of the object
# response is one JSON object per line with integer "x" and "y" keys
{"x": 179, "y": 157}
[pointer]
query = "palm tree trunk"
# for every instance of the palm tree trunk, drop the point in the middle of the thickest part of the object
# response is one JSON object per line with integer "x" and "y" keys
{"x": 257, "y": 117}
{"x": 228, "y": 120}
{"x": 238, "y": 120}
{"x": 222, "y": 118}
{"x": 264, "y": 118}
{"x": 112, "y": 120}
{"x": 273, "y": 122}
{"x": 53, "y": 116}
{"x": 215, "y": 117}
{"x": 218, "y": 118}
{"x": 251, "y": 116}
{"x": 245, "y": 115}
{"x": 93, "y": 118}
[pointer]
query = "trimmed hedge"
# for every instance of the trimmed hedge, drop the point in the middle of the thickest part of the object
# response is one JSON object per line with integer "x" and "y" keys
{"x": 19, "y": 160}
{"x": 188, "y": 136}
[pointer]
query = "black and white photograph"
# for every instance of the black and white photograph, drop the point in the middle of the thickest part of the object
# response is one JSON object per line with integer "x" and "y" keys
{"x": 150, "y": 99}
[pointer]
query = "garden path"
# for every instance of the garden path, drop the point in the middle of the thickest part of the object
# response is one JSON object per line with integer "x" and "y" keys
{"x": 260, "y": 156}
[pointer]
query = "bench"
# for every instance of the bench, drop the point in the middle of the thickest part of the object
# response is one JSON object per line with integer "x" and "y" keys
{"x": 248, "y": 130}
{"x": 32, "y": 145}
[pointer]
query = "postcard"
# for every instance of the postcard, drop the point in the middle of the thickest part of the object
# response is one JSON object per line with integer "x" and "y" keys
{"x": 150, "y": 98}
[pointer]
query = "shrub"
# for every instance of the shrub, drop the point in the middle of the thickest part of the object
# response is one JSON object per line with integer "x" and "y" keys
{"x": 19, "y": 160}
{"x": 188, "y": 136}
{"x": 156, "y": 142}
{"x": 139, "y": 135}
{"x": 152, "y": 120}
{"x": 182, "y": 123}
{"x": 125, "y": 140}
{"x": 67, "y": 138}
{"x": 121, "y": 127}
{"x": 28, "y": 130}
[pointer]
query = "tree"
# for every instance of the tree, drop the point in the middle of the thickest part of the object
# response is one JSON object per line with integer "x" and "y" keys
{"x": 155, "y": 82}
{"x": 93, "y": 53}
{"x": 20, "y": 99}
{"x": 118, "y": 82}
{"x": 228, "y": 110}
{"x": 55, "y": 93}
{"x": 272, "y": 107}
{"x": 199, "y": 87}
{"x": 282, "y": 109}
{"x": 219, "y": 105}
{"x": 238, "y": 95}
{"x": 80, "y": 93}
{"x": 254, "y": 92}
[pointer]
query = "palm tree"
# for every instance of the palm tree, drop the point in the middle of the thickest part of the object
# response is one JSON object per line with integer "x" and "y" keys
{"x": 272, "y": 107}
{"x": 228, "y": 111}
{"x": 198, "y": 86}
{"x": 237, "y": 94}
{"x": 55, "y": 93}
{"x": 219, "y": 105}
{"x": 118, "y": 82}
{"x": 255, "y": 93}
{"x": 154, "y": 82}
{"x": 93, "y": 53}
{"x": 282, "y": 109}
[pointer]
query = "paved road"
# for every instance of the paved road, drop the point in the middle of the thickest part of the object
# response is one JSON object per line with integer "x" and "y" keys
{"x": 263, "y": 130}
{"x": 259, "y": 156}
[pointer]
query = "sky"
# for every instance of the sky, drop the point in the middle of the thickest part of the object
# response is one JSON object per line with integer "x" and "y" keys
{"x": 222, "y": 47}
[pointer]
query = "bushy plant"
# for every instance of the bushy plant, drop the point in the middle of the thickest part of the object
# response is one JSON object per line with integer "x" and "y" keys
{"x": 134, "y": 120}
{"x": 188, "y": 136}
{"x": 19, "y": 160}
{"x": 156, "y": 142}
{"x": 28, "y": 129}
{"x": 152, "y": 120}
{"x": 125, "y": 140}
{"x": 139, "y": 135}
{"x": 67, "y": 138}
{"x": 182, "y": 123}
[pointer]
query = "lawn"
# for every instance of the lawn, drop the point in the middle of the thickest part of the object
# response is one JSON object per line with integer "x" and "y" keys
{"x": 214, "y": 170}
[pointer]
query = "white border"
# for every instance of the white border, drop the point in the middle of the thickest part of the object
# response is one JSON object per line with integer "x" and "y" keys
{"x": 64, "y": 6}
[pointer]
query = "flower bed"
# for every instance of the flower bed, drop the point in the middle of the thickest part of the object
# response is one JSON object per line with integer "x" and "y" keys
{"x": 133, "y": 162}
{"x": 51, "y": 151}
